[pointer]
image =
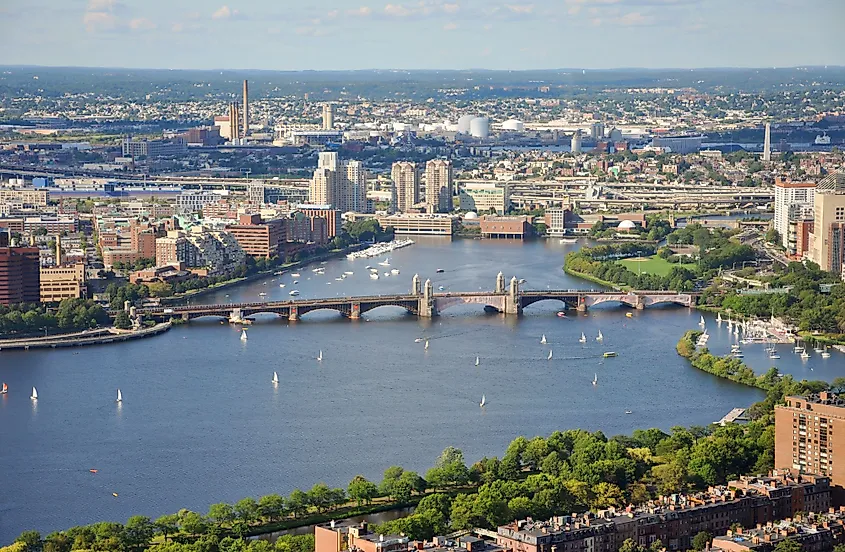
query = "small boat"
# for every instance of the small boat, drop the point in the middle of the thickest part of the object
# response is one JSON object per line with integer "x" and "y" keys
{"x": 114, "y": 495}
{"x": 609, "y": 354}
{"x": 483, "y": 401}
{"x": 34, "y": 395}
{"x": 561, "y": 314}
{"x": 243, "y": 335}
{"x": 338, "y": 279}
{"x": 394, "y": 271}
{"x": 439, "y": 271}
{"x": 805, "y": 355}
{"x": 92, "y": 470}
{"x": 264, "y": 284}
{"x": 296, "y": 281}
{"x": 818, "y": 349}
{"x": 385, "y": 262}
{"x": 568, "y": 240}
{"x": 320, "y": 356}
{"x": 824, "y": 354}
{"x": 719, "y": 318}
{"x": 418, "y": 340}
{"x": 629, "y": 315}
{"x": 595, "y": 379}
{"x": 368, "y": 267}
{"x": 550, "y": 355}
{"x": 295, "y": 274}
{"x": 583, "y": 338}
{"x": 262, "y": 295}
{"x": 775, "y": 356}
{"x": 5, "y": 389}
{"x": 798, "y": 349}
{"x": 281, "y": 285}
{"x": 119, "y": 396}
{"x": 294, "y": 292}
{"x": 440, "y": 288}
{"x": 543, "y": 339}
{"x": 374, "y": 276}
{"x": 701, "y": 322}
{"x": 477, "y": 361}
{"x": 521, "y": 281}
{"x": 426, "y": 344}
{"x": 275, "y": 378}
{"x": 349, "y": 273}
{"x": 628, "y": 412}
{"x": 386, "y": 274}
{"x": 600, "y": 337}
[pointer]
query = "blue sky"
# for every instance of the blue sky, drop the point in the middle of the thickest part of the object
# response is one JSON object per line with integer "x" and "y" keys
{"x": 422, "y": 34}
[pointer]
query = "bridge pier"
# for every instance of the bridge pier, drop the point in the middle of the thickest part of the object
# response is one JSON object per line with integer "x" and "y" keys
{"x": 427, "y": 308}
{"x": 640, "y": 305}
{"x": 512, "y": 303}
{"x": 293, "y": 315}
{"x": 236, "y": 317}
{"x": 355, "y": 311}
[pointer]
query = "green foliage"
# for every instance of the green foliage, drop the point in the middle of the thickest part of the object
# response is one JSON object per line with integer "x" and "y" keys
{"x": 122, "y": 321}
{"x": 72, "y": 314}
{"x": 701, "y": 540}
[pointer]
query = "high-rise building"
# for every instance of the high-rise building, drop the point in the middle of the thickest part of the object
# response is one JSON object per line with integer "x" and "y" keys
{"x": 406, "y": 185}
{"x": 767, "y": 143}
{"x": 19, "y": 275}
{"x": 791, "y": 200}
{"x": 438, "y": 186}
{"x": 828, "y": 239}
{"x": 575, "y": 145}
{"x": 259, "y": 238}
{"x": 340, "y": 184}
{"x": 328, "y": 116}
{"x": 810, "y": 437}
{"x": 246, "y": 108}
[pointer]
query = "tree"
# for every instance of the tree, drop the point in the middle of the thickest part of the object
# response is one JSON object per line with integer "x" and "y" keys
{"x": 631, "y": 546}
{"x": 701, "y": 540}
{"x": 167, "y": 525}
{"x": 607, "y": 495}
{"x": 221, "y": 513}
{"x": 138, "y": 532}
{"x": 361, "y": 490}
{"x": 31, "y": 539}
{"x": 271, "y": 507}
{"x": 788, "y": 545}
{"x": 122, "y": 321}
{"x": 298, "y": 502}
{"x": 246, "y": 510}
{"x": 319, "y": 496}
{"x": 191, "y": 522}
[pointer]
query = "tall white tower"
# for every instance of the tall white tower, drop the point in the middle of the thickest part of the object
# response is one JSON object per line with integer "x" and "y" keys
{"x": 767, "y": 143}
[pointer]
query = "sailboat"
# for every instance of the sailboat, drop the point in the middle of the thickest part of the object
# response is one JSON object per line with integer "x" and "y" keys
{"x": 543, "y": 339}
{"x": 426, "y": 344}
{"x": 595, "y": 379}
{"x": 701, "y": 322}
{"x": 320, "y": 356}
{"x": 730, "y": 323}
{"x": 824, "y": 354}
{"x": 477, "y": 361}
{"x": 583, "y": 338}
{"x": 275, "y": 378}
{"x": 550, "y": 355}
{"x": 600, "y": 337}
{"x": 719, "y": 318}
{"x": 483, "y": 401}
{"x": 5, "y": 389}
{"x": 34, "y": 395}
{"x": 119, "y": 396}
{"x": 243, "y": 335}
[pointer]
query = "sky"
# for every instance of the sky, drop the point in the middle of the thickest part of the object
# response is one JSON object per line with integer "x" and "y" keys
{"x": 421, "y": 34}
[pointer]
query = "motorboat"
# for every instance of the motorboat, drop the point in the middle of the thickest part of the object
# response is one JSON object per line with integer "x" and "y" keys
{"x": 294, "y": 292}
{"x": 609, "y": 354}
{"x": 440, "y": 288}
{"x": 439, "y": 271}
{"x": 295, "y": 274}
{"x": 561, "y": 314}
{"x": 629, "y": 315}
{"x": 394, "y": 271}
{"x": 374, "y": 276}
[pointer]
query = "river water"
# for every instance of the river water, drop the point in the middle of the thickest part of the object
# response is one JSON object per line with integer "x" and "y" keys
{"x": 201, "y": 422}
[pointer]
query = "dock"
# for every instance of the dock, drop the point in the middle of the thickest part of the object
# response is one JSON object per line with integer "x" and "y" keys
{"x": 735, "y": 416}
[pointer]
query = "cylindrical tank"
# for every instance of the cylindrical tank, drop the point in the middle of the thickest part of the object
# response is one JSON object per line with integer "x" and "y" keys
{"x": 480, "y": 127}
{"x": 513, "y": 125}
{"x": 464, "y": 122}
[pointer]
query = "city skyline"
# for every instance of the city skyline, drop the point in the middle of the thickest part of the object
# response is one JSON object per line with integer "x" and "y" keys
{"x": 426, "y": 34}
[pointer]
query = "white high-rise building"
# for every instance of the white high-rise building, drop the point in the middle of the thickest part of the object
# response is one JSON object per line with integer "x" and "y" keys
{"x": 328, "y": 117}
{"x": 767, "y": 143}
{"x": 791, "y": 198}
{"x": 406, "y": 186}
{"x": 828, "y": 239}
{"x": 339, "y": 184}
{"x": 438, "y": 186}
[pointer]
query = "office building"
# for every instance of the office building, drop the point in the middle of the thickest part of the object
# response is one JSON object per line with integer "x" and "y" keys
{"x": 203, "y": 136}
{"x": 828, "y": 240}
{"x": 27, "y": 196}
{"x": 348, "y": 535}
{"x": 438, "y": 186}
{"x": 674, "y": 520}
{"x": 19, "y": 275}
{"x": 154, "y": 148}
{"x": 193, "y": 201}
{"x": 328, "y": 116}
{"x": 264, "y": 193}
{"x": 340, "y": 184}
{"x": 259, "y": 238}
{"x": 485, "y": 197}
{"x": 420, "y": 223}
{"x": 555, "y": 221}
{"x": 767, "y": 143}
{"x": 406, "y": 186}
{"x": 326, "y": 212}
{"x": 575, "y": 144}
{"x": 791, "y": 198}
{"x": 518, "y": 227}
{"x": 810, "y": 436}
{"x": 62, "y": 282}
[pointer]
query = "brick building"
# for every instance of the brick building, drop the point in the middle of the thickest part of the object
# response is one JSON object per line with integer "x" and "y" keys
{"x": 62, "y": 282}
{"x": 338, "y": 536}
{"x": 19, "y": 275}
{"x": 259, "y": 238}
{"x": 518, "y": 227}
{"x": 814, "y": 532}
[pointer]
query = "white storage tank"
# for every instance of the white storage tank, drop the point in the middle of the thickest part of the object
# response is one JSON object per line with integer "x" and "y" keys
{"x": 513, "y": 125}
{"x": 480, "y": 127}
{"x": 464, "y": 123}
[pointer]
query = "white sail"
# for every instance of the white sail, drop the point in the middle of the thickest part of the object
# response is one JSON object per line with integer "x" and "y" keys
{"x": 426, "y": 344}
{"x": 719, "y": 318}
{"x": 119, "y": 396}
{"x": 320, "y": 356}
{"x": 275, "y": 377}
{"x": 5, "y": 389}
{"x": 583, "y": 338}
{"x": 483, "y": 400}
{"x": 599, "y": 337}
{"x": 477, "y": 361}
{"x": 34, "y": 395}
{"x": 595, "y": 379}
{"x": 543, "y": 339}
{"x": 243, "y": 335}
{"x": 701, "y": 322}
{"x": 550, "y": 355}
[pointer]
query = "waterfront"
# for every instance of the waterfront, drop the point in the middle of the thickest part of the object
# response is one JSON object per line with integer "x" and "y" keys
{"x": 201, "y": 423}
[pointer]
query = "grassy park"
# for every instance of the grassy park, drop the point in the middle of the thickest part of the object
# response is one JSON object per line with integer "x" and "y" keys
{"x": 653, "y": 265}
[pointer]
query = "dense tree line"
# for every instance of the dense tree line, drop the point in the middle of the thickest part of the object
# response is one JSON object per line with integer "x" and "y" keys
{"x": 72, "y": 314}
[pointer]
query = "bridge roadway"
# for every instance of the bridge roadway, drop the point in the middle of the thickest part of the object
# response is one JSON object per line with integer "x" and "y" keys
{"x": 422, "y": 303}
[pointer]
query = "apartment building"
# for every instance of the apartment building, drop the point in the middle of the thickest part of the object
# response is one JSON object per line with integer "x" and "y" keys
{"x": 406, "y": 186}
{"x": 345, "y": 535}
{"x": 792, "y": 200}
{"x": 814, "y": 532}
{"x": 828, "y": 241}
{"x": 62, "y": 282}
{"x": 19, "y": 275}
{"x": 259, "y": 238}
{"x": 438, "y": 186}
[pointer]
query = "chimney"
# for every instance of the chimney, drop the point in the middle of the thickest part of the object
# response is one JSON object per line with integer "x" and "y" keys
{"x": 246, "y": 107}
{"x": 58, "y": 250}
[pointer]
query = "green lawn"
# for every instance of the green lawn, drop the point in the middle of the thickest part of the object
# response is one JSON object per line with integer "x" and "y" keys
{"x": 652, "y": 265}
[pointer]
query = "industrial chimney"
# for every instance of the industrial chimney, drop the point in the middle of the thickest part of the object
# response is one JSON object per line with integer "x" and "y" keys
{"x": 58, "y": 250}
{"x": 246, "y": 107}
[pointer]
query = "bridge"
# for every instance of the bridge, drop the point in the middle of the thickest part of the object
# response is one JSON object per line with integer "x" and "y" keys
{"x": 422, "y": 301}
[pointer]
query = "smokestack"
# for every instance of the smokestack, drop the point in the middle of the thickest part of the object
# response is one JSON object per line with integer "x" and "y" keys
{"x": 58, "y": 250}
{"x": 767, "y": 143}
{"x": 246, "y": 107}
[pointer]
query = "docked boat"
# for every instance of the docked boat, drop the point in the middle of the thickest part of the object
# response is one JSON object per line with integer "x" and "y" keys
{"x": 824, "y": 354}
{"x": 719, "y": 318}
{"x": 568, "y": 240}
{"x": 374, "y": 276}
{"x": 701, "y": 322}
{"x": 349, "y": 273}
{"x": 386, "y": 274}
{"x": 805, "y": 355}
{"x": 394, "y": 271}
{"x": 822, "y": 139}
{"x": 775, "y": 356}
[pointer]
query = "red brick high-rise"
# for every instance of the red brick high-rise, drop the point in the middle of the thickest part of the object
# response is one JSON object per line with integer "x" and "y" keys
{"x": 20, "y": 277}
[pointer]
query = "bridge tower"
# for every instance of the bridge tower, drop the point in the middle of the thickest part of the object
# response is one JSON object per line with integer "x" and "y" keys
{"x": 513, "y": 302}
{"x": 427, "y": 308}
{"x": 500, "y": 283}
{"x": 416, "y": 285}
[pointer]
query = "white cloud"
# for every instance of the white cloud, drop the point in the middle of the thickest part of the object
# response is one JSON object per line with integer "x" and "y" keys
{"x": 177, "y": 28}
{"x": 451, "y": 8}
{"x": 451, "y": 26}
{"x": 109, "y": 6}
{"x": 141, "y": 24}
{"x": 635, "y": 19}
{"x": 225, "y": 12}
{"x": 520, "y": 8}
{"x": 397, "y": 10}
{"x": 363, "y": 11}
{"x": 99, "y": 21}
{"x": 332, "y": 14}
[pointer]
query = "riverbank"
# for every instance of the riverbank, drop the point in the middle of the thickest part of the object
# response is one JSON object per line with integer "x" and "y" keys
{"x": 595, "y": 280}
{"x": 99, "y": 337}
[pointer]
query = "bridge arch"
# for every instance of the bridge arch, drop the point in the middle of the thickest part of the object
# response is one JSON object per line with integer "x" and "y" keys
{"x": 199, "y": 316}
{"x": 568, "y": 302}
{"x": 495, "y": 301}
{"x": 339, "y": 309}
{"x": 407, "y": 306}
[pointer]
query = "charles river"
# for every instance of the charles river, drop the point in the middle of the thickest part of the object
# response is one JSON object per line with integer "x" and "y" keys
{"x": 201, "y": 422}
